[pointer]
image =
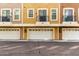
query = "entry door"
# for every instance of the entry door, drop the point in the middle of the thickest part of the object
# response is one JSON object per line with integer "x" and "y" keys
{"x": 6, "y": 15}
{"x": 42, "y": 15}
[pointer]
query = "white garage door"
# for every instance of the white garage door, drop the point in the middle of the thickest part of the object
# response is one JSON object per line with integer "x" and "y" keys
{"x": 41, "y": 35}
{"x": 9, "y": 33}
{"x": 70, "y": 33}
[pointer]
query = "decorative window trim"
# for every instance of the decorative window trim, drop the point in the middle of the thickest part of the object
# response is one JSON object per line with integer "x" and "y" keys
{"x": 5, "y": 9}
{"x": 14, "y": 14}
{"x": 28, "y": 12}
{"x": 64, "y": 13}
{"x": 42, "y": 9}
{"x": 8, "y": 29}
{"x": 39, "y": 29}
{"x": 56, "y": 14}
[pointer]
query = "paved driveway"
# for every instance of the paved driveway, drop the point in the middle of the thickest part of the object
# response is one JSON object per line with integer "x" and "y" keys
{"x": 39, "y": 48}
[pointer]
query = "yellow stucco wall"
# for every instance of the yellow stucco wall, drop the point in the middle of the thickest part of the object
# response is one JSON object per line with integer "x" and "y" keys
{"x": 56, "y": 31}
{"x": 36, "y": 6}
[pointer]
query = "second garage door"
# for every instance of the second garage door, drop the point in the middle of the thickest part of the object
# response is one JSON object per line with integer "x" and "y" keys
{"x": 41, "y": 34}
{"x": 9, "y": 33}
{"x": 70, "y": 34}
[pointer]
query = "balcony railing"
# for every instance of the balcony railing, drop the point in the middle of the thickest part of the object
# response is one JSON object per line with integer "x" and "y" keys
{"x": 6, "y": 18}
{"x": 69, "y": 18}
{"x": 42, "y": 18}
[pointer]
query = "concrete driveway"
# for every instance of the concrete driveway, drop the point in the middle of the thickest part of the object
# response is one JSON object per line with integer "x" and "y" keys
{"x": 9, "y": 48}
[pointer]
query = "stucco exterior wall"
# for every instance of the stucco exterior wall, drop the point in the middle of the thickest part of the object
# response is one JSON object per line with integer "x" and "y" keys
{"x": 12, "y": 6}
{"x": 36, "y": 6}
{"x": 69, "y": 5}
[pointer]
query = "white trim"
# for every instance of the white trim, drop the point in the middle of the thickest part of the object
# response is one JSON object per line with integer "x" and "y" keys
{"x": 28, "y": 12}
{"x": 56, "y": 14}
{"x": 64, "y": 12}
{"x": 14, "y": 14}
{"x": 10, "y": 28}
{"x": 42, "y": 9}
{"x": 1, "y": 14}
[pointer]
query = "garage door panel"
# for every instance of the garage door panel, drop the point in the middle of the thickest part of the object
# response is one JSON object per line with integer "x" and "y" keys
{"x": 9, "y": 34}
{"x": 71, "y": 34}
{"x": 40, "y": 35}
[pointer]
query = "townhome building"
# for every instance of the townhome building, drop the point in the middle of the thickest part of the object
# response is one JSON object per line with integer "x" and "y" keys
{"x": 10, "y": 19}
{"x": 39, "y": 21}
{"x": 69, "y": 20}
{"x": 42, "y": 20}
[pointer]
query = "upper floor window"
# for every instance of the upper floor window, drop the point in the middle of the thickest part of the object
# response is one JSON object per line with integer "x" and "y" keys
{"x": 5, "y": 14}
{"x": 42, "y": 15}
{"x": 16, "y": 14}
{"x": 30, "y": 13}
{"x": 53, "y": 14}
{"x": 68, "y": 14}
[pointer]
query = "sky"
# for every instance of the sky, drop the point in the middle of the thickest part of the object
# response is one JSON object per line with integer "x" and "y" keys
{"x": 39, "y": 1}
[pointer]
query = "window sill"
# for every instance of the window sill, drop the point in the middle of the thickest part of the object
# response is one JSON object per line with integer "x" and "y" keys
{"x": 5, "y": 23}
{"x": 53, "y": 19}
{"x": 42, "y": 22}
{"x": 69, "y": 22}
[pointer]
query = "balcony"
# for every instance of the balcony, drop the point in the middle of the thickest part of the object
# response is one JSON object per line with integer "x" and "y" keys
{"x": 69, "y": 20}
{"x": 42, "y": 20}
{"x": 6, "y": 18}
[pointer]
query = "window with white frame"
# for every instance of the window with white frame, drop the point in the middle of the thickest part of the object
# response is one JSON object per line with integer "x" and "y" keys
{"x": 30, "y": 13}
{"x": 68, "y": 14}
{"x": 42, "y": 15}
{"x": 53, "y": 14}
{"x": 16, "y": 14}
{"x": 6, "y": 15}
